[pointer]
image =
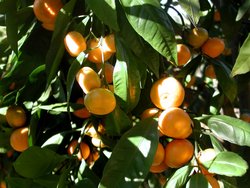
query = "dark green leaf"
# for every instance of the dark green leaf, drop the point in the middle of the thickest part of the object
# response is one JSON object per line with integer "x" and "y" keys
{"x": 85, "y": 182}
{"x": 179, "y": 178}
{"x": 126, "y": 78}
{"x": 132, "y": 156}
{"x": 192, "y": 9}
{"x": 11, "y": 25}
{"x": 228, "y": 164}
{"x": 36, "y": 161}
{"x": 74, "y": 68}
{"x": 226, "y": 82}
{"x": 117, "y": 122}
{"x": 242, "y": 64}
{"x": 47, "y": 181}
{"x": 56, "y": 50}
{"x": 243, "y": 10}
{"x": 230, "y": 129}
{"x": 197, "y": 181}
{"x": 151, "y": 22}
{"x": 105, "y": 11}
{"x": 21, "y": 183}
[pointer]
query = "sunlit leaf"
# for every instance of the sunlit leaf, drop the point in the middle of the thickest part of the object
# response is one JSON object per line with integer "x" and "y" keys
{"x": 192, "y": 9}
{"x": 228, "y": 164}
{"x": 197, "y": 181}
{"x": 242, "y": 64}
{"x": 243, "y": 10}
{"x": 151, "y": 22}
{"x": 230, "y": 129}
{"x": 132, "y": 157}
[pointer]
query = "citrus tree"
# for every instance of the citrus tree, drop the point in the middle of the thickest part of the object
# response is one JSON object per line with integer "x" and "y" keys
{"x": 122, "y": 93}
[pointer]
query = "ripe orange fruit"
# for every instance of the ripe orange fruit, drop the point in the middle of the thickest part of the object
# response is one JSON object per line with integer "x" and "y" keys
{"x": 108, "y": 71}
{"x": 74, "y": 43}
{"x": 84, "y": 149}
{"x": 47, "y": 10}
{"x": 167, "y": 92}
{"x": 209, "y": 72}
{"x": 159, "y": 168}
{"x": 15, "y": 116}
{"x": 98, "y": 53}
{"x": 109, "y": 43}
{"x": 159, "y": 155}
{"x": 149, "y": 112}
{"x": 19, "y": 139}
{"x": 183, "y": 54}
{"x": 93, "y": 157}
{"x": 175, "y": 122}
{"x": 245, "y": 117}
{"x": 178, "y": 153}
{"x": 83, "y": 112}
{"x": 100, "y": 101}
{"x": 212, "y": 181}
{"x": 3, "y": 184}
{"x": 217, "y": 17}
{"x": 49, "y": 26}
{"x": 88, "y": 79}
{"x": 197, "y": 37}
{"x": 213, "y": 47}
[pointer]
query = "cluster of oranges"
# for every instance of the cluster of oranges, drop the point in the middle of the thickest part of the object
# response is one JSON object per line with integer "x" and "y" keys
{"x": 198, "y": 38}
{"x": 16, "y": 117}
{"x": 167, "y": 94}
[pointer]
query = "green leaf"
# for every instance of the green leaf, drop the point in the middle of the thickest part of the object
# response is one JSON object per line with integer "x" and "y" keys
{"x": 242, "y": 64}
{"x": 56, "y": 49}
{"x": 192, "y": 9}
{"x": 11, "y": 25}
{"x": 106, "y": 11}
{"x": 226, "y": 82}
{"x": 228, "y": 164}
{"x": 21, "y": 183}
{"x": 179, "y": 178}
{"x": 132, "y": 156}
{"x": 243, "y": 10}
{"x": 126, "y": 78}
{"x": 47, "y": 181}
{"x": 85, "y": 182}
{"x": 230, "y": 129}
{"x": 197, "y": 181}
{"x": 35, "y": 162}
{"x": 151, "y": 22}
{"x": 140, "y": 47}
{"x": 73, "y": 69}
{"x": 117, "y": 122}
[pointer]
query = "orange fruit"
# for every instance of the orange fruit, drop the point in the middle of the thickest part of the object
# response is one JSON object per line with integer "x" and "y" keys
{"x": 178, "y": 153}
{"x": 108, "y": 70}
{"x": 98, "y": 53}
{"x": 212, "y": 181}
{"x": 209, "y": 72}
{"x": 217, "y": 17}
{"x": 149, "y": 112}
{"x": 159, "y": 155}
{"x": 93, "y": 157}
{"x": 88, "y": 79}
{"x": 47, "y": 10}
{"x": 92, "y": 132}
{"x": 175, "y": 122}
{"x": 49, "y": 26}
{"x": 109, "y": 43}
{"x": 3, "y": 184}
{"x": 245, "y": 117}
{"x": 167, "y": 92}
{"x": 197, "y": 37}
{"x": 100, "y": 101}
{"x": 213, "y": 47}
{"x": 15, "y": 116}
{"x": 19, "y": 139}
{"x": 83, "y": 112}
{"x": 74, "y": 43}
{"x": 183, "y": 54}
{"x": 159, "y": 168}
{"x": 84, "y": 149}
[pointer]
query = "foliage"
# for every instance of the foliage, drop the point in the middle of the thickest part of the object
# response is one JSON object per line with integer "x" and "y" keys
{"x": 38, "y": 74}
